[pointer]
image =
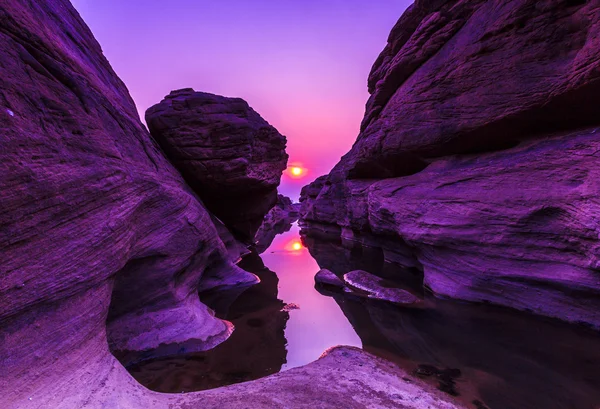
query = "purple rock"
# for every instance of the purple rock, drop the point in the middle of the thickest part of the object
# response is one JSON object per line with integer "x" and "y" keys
{"x": 326, "y": 277}
{"x": 100, "y": 237}
{"x": 229, "y": 155}
{"x": 479, "y": 155}
{"x": 376, "y": 288}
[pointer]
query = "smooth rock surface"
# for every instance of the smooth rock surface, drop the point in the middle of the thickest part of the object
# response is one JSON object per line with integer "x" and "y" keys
{"x": 477, "y": 162}
{"x": 377, "y": 288}
{"x": 229, "y": 155}
{"x": 101, "y": 240}
{"x": 344, "y": 377}
{"x": 326, "y": 277}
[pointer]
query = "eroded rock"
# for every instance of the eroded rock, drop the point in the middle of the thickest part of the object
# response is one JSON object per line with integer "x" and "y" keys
{"x": 100, "y": 237}
{"x": 229, "y": 155}
{"x": 378, "y": 288}
{"x": 478, "y": 155}
{"x": 326, "y": 277}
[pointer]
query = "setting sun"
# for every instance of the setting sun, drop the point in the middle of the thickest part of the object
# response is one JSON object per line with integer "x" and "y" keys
{"x": 294, "y": 245}
{"x": 296, "y": 171}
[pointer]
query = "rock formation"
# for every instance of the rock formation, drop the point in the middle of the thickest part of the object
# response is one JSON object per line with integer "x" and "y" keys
{"x": 257, "y": 347}
{"x": 378, "y": 289}
{"x": 477, "y": 161}
{"x": 507, "y": 359}
{"x": 230, "y": 156}
{"x": 102, "y": 241}
{"x": 93, "y": 216}
{"x": 279, "y": 220}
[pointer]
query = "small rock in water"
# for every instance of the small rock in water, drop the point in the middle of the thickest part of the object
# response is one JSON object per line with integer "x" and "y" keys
{"x": 376, "y": 289}
{"x": 290, "y": 307}
{"x": 326, "y": 277}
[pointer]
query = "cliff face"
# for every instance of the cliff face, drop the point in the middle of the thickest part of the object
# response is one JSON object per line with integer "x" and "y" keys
{"x": 478, "y": 155}
{"x": 229, "y": 155}
{"x": 91, "y": 212}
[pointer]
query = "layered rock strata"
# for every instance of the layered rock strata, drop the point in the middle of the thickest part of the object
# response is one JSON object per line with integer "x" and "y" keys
{"x": 477, "y": 162}
{"x": 229, "y": 155}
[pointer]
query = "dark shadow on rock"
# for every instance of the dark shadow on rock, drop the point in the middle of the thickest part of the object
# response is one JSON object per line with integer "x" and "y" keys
{"x": 278, "y": 221}
{"x": 496, "y": 357}
{"x": 257, "y": 347}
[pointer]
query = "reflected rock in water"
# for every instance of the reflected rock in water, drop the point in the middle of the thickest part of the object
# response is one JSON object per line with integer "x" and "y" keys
{"x": 492, "y": 357}
{"x": 342, "y": 256}
{"x": 256, "y": 348}
{"x": 279, "y": 220}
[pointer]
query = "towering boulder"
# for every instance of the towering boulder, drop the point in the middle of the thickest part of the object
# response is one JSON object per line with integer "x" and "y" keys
{"x": 479, "y": 154}
{"x": 229, "y": 155}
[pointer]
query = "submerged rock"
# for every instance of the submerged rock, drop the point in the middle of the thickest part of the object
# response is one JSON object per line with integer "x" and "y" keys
{"x": 230, "y": 156}
{"x": 377, "y": 288}
{"x": 326, "y": 277}
{"x": 478, "y": 155}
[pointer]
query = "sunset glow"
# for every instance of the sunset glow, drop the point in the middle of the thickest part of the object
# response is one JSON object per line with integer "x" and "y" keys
{"x": 294, "y": 245}
{"x": 296, "y": 171}
{"x": 309, "y": 78}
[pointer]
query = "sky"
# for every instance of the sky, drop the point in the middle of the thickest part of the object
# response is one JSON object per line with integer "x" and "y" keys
{"x": 301, "y": 64}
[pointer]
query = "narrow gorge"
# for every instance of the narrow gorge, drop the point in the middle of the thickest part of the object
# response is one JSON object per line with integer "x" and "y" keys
{"x": 450, "y": 260}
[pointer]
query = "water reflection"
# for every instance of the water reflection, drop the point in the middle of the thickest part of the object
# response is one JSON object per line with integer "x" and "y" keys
{"x": 506, "y": 360}
{"x": 491, "y": 357}
{"x": 270, "y": 334}
{"x": 319, "y": 323}
{"x": 278, "y": 221}
{"x": 256, "y": 348}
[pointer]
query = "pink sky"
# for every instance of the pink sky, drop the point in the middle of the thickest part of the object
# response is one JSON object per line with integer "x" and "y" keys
{"x": 301, "y": 64}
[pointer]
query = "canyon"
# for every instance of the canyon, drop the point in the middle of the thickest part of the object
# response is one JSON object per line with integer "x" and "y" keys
{"x": 474, "y": 178}
{"x": 105, "y": 246}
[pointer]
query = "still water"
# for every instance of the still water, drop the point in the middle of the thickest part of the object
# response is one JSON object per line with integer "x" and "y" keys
{"x": 483, "y": 356}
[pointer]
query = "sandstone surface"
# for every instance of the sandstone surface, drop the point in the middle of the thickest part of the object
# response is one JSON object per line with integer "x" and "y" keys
{"x": 477, "y": 162}
{"x": 230, "y": 156}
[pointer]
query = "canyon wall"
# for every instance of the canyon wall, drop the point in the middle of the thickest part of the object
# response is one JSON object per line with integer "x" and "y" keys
{"x": 100, "y": 236}
{"x": 477, "y": 160}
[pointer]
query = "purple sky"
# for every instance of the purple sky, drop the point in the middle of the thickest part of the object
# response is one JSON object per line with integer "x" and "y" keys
{"x": 302, "y": 64}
